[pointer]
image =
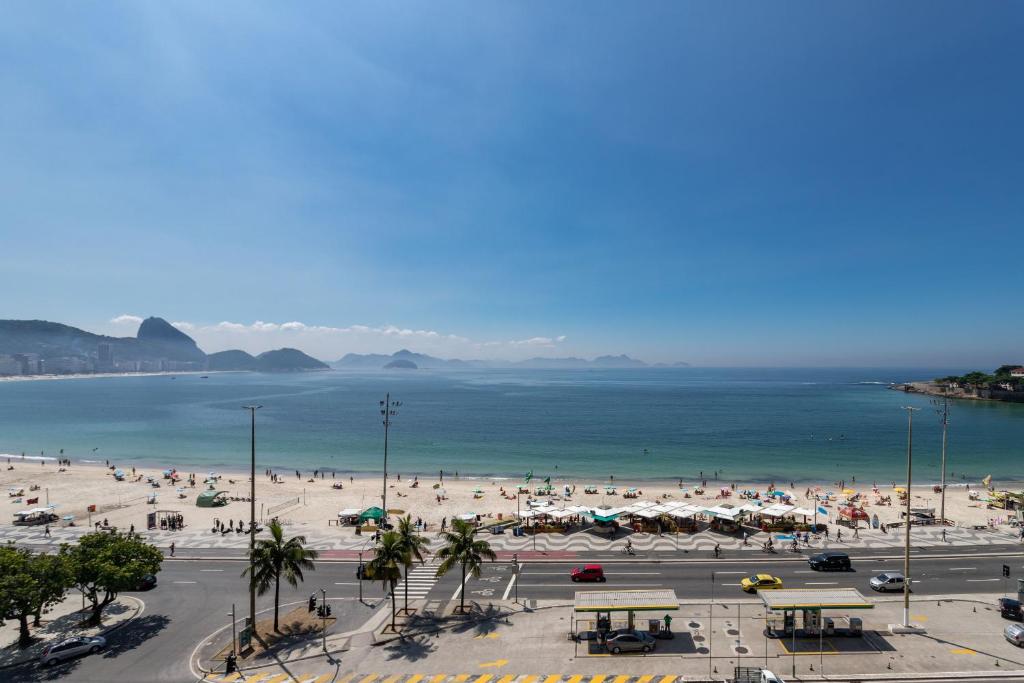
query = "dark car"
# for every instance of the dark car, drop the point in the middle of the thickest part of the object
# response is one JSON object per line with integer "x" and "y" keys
{"x": 147, "y": 582}
{"x": 589, "y": 572}
{"x": 1010, "y": 609}
{"x": 830, "y": 561}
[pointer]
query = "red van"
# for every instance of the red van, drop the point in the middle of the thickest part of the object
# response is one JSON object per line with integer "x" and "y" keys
{"x": 588, "y": 572}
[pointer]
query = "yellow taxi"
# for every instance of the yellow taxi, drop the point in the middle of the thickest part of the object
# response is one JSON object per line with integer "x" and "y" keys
{"x": 760, "y": 582}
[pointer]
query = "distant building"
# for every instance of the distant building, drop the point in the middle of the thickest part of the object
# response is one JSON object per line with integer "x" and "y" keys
{"x": 9, "y": 365}
{"x": 1017, "y": 372}
{"x": 31, "y": 363}
{"x": 68, "y": 365}
{"x": 104, "y": 358}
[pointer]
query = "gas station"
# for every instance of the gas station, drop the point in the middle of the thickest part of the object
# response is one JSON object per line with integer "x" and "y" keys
{"x": 783, "y": 606}
{"x": 596, "y": 613}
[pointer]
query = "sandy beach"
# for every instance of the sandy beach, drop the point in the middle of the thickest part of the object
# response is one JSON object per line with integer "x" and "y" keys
{"x": 315, "y": 503}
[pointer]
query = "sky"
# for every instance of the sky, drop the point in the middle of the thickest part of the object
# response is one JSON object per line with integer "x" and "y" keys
{"x": 736, "y": 183}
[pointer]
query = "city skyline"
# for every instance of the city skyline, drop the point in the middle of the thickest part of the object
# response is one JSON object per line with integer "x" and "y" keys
{"x": 749, "y": 185}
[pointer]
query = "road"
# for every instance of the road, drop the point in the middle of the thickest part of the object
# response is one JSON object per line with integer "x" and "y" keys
{"x": 194, "y": 597}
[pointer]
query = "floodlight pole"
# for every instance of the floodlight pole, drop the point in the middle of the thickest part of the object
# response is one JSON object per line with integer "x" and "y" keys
{"x": 252, "y": 519}
{"x": 388, "y": 409}
{"x": 906, "y": 544}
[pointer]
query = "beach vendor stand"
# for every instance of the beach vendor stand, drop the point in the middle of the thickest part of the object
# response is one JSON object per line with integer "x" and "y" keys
{"x": 348, "y": 517}
{"x": 211, "y": 499}
{"x": 470, "y": 518}
{"x": 777, "y": 517}
{"x": 851, "y": 515}
{"x": 725, "y": 518}
{"x": 35, "y": 516}
{"x": 605, "y": 520}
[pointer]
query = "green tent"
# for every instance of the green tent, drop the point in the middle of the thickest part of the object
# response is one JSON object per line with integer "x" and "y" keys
{"x": 209, "y": 499}
{"x": 374, "y": 513}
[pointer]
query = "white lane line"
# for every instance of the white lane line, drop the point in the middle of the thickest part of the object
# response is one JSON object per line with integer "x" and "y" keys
{"x": 346, "y": 583}
{"x": 979, "y": 580}
{"x": 723, "y": 573}
{"x": 805, "y": 571}
{"x": 182, "y": 581}
{"x": 962, "y": 569}
{"x": 511, "y": 582}
{"x": 822, "y": 583}
{"x": 211, "y": 570}
{"x": 732, "y": 584}
{"x": 455, "y": 595}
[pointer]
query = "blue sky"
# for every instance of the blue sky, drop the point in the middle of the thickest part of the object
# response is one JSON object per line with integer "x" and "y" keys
{"x": 721, "y": 183}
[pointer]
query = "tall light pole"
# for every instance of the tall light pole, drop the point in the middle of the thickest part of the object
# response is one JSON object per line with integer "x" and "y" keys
{"x": 944, "y": 416}
{"x": 388, "y": 409}
{"x": 252, "y": 519}
{"x": 906, "y": 545}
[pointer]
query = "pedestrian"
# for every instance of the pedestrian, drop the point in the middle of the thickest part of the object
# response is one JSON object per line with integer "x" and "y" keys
{"x": 839, "y": 536}
{"x": 856, "y": 532}
{"x": 826, "y": 533}
{"x": 718, "y": 550}
{"x": 668, "y": 623}
{"x": 943, "y": 535}
{"x": 46, "y": 531}
{"x": 172, "y": 548}
{"x": 745, "y": 538}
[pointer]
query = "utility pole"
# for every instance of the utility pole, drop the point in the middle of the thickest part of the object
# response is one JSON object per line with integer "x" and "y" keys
{"x": 906, "y": 546}
{"x": 252, "y": 520}
{"x": 944, "y": 415}
{"x": 711, "y": 622}
{"x": 234, "y": 640}
{"x": 388, "y": 409}
{"x": 515, "y": 575}
{"x": 324, "y": 603}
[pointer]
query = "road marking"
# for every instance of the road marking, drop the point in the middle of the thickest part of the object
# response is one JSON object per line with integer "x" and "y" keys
{"x": 732, "y": 584}
{"x": 346, "y": 583}
{"x": 511, "y": 582}
{"x": 821, "y": 583}
{"x": 211, "y": 570}
{"x": 962, "y": 569}
{"x": 392, "y": 679}
{"x": 182, "y": 581}
{"x": 963, "y": 651}
{"x": 455, "y": 595}
{"x": 979, "y": 580}
{"x": 598, "y": 678}
{"x": 416, "y": 678}
{"x": 667, "y": 679}
{"x": 811, "y": 571}
{"x": 735, "y": 573}
{"x": 369, "y": 678}
{"x": 645, "y": 678}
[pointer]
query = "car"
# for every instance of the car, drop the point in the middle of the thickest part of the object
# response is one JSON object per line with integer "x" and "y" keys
{"x": 1010, "y": 609}
{"x": 888, "y": 581}
{"x": 1015, "y": 634}
{"x": 762, "y": 582}
{"x": 588, "y": 572}
{"x": 830, "y": 560}
{"x": 629, "y": 641}
{"x": 71, "y": 647}
{"x": 147, "y": 582}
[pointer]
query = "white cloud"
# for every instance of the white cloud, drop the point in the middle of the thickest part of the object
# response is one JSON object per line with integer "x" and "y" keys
{"x": 126, "y": 319}
{"x": 330, "y": 342}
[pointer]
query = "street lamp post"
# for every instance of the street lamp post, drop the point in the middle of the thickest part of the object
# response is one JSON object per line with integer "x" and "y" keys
{"x": 944, "y": 415}
{"x": 515, "y": 575}
{"x": 252, "y": 518}
{"x": 234, "y": 640}
{"x": 388, "y": 409}
{"x": 906, "y": 544}
{"x": 360, "y": 576}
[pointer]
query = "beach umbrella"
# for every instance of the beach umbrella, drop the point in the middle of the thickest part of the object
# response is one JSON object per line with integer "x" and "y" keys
{"x": 849, "y": 492}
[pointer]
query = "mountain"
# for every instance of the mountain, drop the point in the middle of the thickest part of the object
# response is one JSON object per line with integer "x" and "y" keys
{"x": 158, "y": 341}
{"x": 376, "y": 361}
{"x": 231, "y": 360}
{"x": 162, "y": 338}
{"x": 565, "y": 363}
{"x": 287, "y": 360}
{"x": 401, "y": 364}
{"x": 620, "y": 361}
{"x": 357, "y": 360}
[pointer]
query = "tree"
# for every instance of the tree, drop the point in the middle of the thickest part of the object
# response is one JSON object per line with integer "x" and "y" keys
{"x": 389, "y": 557}
{"x": 462, "y": 549}
{"x": 107, "y": 564}
{"x": 30, "y": 583}
{"x": 414, "y": 546}
{"x": 275, "y": 558}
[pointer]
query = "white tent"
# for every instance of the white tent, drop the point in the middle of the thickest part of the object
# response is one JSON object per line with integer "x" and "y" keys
{"x": 349, "y": 512}
{"x": 777, "y": 510}
{"x": 803, "y": 512}
{"x": 560, "y": 514}
{"x": 725, "y": 513}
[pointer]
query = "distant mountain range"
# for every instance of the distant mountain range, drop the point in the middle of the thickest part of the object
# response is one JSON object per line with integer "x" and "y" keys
{"x": 42, "y": 347}
{"x": 410, "y": 360}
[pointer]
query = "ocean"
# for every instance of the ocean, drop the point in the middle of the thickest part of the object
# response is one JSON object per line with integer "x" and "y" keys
{"x": 585, "y": 425}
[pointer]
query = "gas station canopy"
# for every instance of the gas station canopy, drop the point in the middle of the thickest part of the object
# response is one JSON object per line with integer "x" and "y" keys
{"x": 813, "y": 599}
{"x": 626, "y": 601}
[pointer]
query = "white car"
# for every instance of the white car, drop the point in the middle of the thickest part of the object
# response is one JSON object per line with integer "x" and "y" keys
{"x": 889, "y": 581}
{"x": 71, "y": 647}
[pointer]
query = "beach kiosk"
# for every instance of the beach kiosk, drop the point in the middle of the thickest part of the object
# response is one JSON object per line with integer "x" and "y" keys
{"x": 598, "y": 612}
{"x": 782, "y": 607}
{"x": 374, "y": 513}
{"x": 44, "y": 515}
{"x": 211, "y": 499}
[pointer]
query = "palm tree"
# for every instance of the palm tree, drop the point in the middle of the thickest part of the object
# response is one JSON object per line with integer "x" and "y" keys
{"x": 386, "y": 566}
{"x": 414, "y": 546}
{"x": 275, "y": 558}
{"x": 461, "y": 548}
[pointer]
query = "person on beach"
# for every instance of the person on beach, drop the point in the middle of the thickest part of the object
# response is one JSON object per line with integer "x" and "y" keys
{"x": 444, "y": 523}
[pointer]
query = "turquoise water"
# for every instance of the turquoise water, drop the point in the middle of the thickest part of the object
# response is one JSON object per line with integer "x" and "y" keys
{"x": 750, "y": 424}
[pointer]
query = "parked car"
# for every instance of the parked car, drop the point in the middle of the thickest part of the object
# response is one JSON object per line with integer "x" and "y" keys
{"x": 760, "y": 582}
{"x": 71, "y": 647}
{"x": 1010, "y": 609}
{"x": 1015, "y": 634}
{"x": 830, "y": 560}
{"x": 588, "y": 572}
{"x": 629, "y": 641}
{"x": 889, "y": 581}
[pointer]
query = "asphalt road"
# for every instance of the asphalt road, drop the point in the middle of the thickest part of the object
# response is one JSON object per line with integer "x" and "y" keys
{"x": 937, "y": 573}
{"x": 194, "y": 597}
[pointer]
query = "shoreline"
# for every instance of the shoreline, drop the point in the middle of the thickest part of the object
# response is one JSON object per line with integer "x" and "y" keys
{"x": 108, "y": 375}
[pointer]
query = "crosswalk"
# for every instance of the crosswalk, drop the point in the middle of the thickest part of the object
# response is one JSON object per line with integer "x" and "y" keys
{"x": 335, "y": 677}
{"x": 421, "y": 579}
